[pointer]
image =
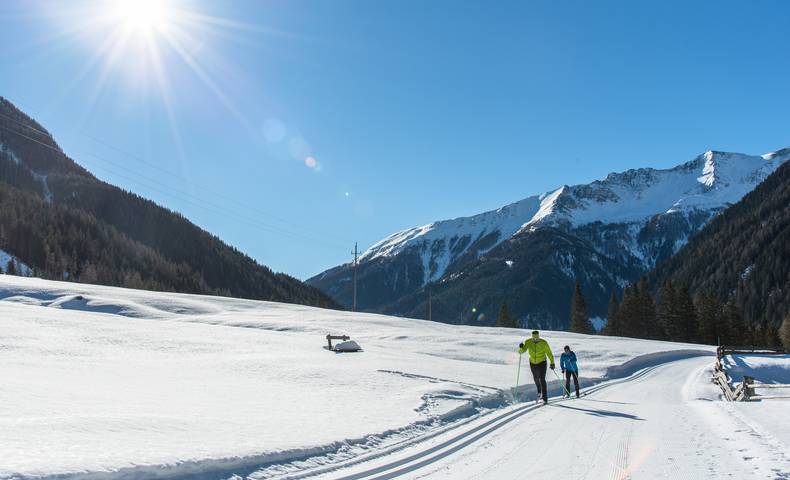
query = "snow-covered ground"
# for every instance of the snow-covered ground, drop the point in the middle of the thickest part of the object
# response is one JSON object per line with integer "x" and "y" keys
{"x": 763, "y": 368}
{"x": 22, "y": 269}
{"x": 665, "y": 422}
{"x": 770, "y": 417}
{"x": 117, "y": 383}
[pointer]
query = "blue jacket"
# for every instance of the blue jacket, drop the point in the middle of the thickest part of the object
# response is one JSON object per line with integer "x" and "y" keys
{"x": 568, "y": 362}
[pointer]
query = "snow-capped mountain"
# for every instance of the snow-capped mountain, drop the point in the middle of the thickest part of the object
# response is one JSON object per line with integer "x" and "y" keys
{"x": 619, "y": 227}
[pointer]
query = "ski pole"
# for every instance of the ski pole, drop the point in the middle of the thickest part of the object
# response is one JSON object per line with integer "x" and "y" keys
{"x": 561, "y": 383}
{"x": 518, "y": 374}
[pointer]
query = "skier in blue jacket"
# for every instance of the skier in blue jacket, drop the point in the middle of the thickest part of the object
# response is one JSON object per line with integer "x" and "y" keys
{"x": 569, "y": 368}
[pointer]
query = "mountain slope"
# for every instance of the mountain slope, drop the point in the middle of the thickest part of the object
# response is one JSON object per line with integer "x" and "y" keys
{"x": 56, "y": 217}
{"x": 529, "y": 254}
{"x": 743, "y": 255}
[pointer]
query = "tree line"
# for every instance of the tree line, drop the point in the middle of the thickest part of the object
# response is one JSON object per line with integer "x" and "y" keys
{"x": 728, "y": 285}
{"x": 64, "y": 242}
{"x": 675, "y": 314}
{"x": 742, "y": 256}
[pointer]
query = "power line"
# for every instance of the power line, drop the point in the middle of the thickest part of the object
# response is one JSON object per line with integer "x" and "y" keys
{"x": 186, "y": 196}
{"x": 208, "y": 189}
{"x": 171, "y": 174}
{"x": 208, "y": 205}
{"x": 222, "y": 211}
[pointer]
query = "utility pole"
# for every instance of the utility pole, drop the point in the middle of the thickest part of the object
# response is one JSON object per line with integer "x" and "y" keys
{"x": 430, "y": 300}
{"x": 356, "y": 254}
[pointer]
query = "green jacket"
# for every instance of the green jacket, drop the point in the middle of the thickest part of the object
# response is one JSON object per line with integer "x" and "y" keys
{"x": 537, "y": 350}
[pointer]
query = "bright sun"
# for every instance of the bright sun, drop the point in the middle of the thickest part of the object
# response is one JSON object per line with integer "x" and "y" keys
{"x": 151, "y": 45}
{"x": 144, "y": 16}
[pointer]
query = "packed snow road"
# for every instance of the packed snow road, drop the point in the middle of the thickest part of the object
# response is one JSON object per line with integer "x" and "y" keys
{"x": 664, "y": 422}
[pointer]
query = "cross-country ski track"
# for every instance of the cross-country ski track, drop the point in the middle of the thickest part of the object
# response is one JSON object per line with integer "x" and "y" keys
{"x": 660, "y": 422}
{"x": 103, "y": 383}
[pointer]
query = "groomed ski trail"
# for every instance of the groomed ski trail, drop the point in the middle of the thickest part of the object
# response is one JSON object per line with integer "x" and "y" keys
{"x": 442, "y": 444}
{"x": 653, "y": 424}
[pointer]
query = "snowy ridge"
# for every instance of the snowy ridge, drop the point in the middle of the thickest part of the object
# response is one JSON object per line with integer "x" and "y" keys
{"x": 455, "y": 236}
{"x": 709, "y": 182}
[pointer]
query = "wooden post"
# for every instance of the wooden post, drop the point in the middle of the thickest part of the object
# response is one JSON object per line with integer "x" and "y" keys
{"x": 356, "y": 254}
{"x": 748, "y": 389}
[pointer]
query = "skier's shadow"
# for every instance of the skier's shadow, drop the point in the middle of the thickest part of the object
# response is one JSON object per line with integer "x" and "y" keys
{"x": 601, "y": 413}
{"x": 606, "y": 401}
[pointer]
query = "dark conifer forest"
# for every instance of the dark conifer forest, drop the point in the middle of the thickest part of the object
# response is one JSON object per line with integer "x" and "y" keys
{"x": 65, "y": 224}
{"x": 730, "y": 284}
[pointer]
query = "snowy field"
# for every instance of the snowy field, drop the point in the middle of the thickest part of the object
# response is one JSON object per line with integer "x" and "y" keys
{"x": 764, "y": 368}
{"x": 114, "y": 383}
{"x": 664, "y": 422}
{"x": 769, "y": 416}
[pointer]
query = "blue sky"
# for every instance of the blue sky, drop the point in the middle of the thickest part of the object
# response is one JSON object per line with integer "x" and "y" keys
{"x": 409, "y": 111}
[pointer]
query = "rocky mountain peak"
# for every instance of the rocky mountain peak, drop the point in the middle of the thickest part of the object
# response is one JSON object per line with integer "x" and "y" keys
{"x": 604, "y": 233}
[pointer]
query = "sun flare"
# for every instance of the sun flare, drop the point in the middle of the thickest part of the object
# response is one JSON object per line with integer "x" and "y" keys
{"x": 141, "y": 15}
{"x": 155, "y": 49}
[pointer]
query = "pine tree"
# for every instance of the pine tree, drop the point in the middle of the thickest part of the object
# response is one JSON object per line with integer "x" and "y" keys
{"x": 10, "y": 267}
{"x": 629, "y": 315}
{"x": 737, "y": 334}
{"x": 612, "y": 317}
{"x": 646, "y": 310}
{"x": 756, "y": 335}
{"x": 505, "y": 320}
{"x": 667, "y": 311}
{"x": 784, "y": 332}
{"x": 711, "y": 329}
{"x": 772, "y": 339}
{"x": 580, "y": 319}
{"x": 89, "y": 274}
{"x": 689, "y": 325}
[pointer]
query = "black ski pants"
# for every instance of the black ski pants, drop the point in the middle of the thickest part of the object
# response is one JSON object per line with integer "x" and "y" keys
{"x": 568, "y": 375}
{"x": 539, "y": 374}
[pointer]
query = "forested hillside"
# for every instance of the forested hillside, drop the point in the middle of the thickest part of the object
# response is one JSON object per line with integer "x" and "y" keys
{"x": 64, "y": 223}
{"x": 743, "y": 255}
{"x": 730, "y": 284}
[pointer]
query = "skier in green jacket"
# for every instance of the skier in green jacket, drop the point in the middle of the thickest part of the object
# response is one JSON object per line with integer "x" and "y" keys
{"x": 537, "y": 350}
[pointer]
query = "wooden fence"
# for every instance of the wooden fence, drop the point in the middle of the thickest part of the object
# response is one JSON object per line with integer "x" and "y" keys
{"x": 729, "y": 350}
{"x": 746, "y": 391}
